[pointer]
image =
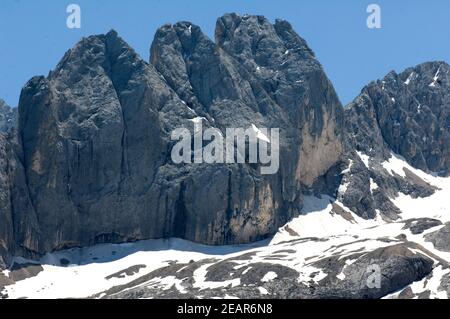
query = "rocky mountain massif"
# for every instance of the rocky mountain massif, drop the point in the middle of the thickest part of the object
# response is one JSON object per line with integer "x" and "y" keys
{"x": 93, "y": 145}
{"x": 357, "y": 186}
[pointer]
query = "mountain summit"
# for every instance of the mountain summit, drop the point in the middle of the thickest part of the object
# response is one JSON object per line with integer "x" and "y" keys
{"x": 408, "y": 113}
{"x": 94, "y": 138}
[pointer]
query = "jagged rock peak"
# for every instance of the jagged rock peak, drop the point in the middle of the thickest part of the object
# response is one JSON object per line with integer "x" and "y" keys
{"x": 102, "y": 50}
{"x": 409, "y": 113}
{"x": 437, "y": 72}
{"x": 252, "y": 34}
{"x": 184, "y": 30}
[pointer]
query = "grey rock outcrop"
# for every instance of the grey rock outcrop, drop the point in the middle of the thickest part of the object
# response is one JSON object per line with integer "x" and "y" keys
{"x": 91, "y": 160}
{"x": 273, "y": 82}
{"x": 440, "y": 238}
{"x": 8, "y": 117}
{"x": 408, "y": 113}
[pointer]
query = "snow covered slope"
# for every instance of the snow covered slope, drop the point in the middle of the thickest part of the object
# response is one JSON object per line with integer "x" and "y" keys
{"x": 328, "y": 251}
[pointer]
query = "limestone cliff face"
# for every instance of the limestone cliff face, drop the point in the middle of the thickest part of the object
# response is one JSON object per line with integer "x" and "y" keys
{"x": 6, "y": 232}
{"x": 8, "y": 123}
{"x": 262, "y": 73}
{"x": 91, "y": 160}
{"x": 286, "y": 68}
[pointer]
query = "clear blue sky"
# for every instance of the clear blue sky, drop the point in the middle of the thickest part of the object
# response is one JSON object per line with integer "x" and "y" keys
{"x": 34, "y": 36}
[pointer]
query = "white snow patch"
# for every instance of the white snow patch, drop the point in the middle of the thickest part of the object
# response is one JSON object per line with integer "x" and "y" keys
{"x": 200, "y": 280}
{"x": 435, "y": 78}
{"x": 269, "y": 276}
{"x": 263, "y": 291}
{"x": 410, "y": 77}
{"x": 435, "y": 206}
{"x": 396, "y": 164}
{"x": 341, "y": 276}
{"x": 259, "y": 134}
{"x": 343, "y": 188}
{"x": 246, "y": 270}
{"x": 317, "y": 220}
{"x": 347, "y": 170}
{"x": 364, "y": 158}
{"x": 432, "y": 284}
{"x": 373, "y": 185}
